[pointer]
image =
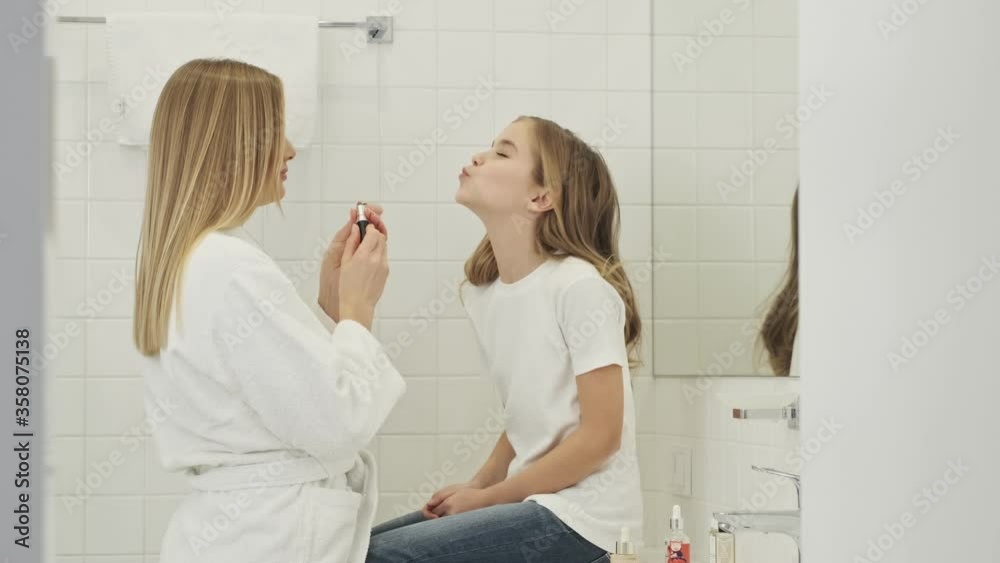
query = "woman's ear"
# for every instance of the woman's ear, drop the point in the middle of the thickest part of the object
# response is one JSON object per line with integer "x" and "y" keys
{"x": 542, "y": 201}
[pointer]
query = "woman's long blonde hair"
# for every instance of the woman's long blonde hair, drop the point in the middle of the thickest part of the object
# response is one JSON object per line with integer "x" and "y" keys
{"x": 782, "y": 320}
{"x": 215, "y": 152}
{"x": 584, "y": 221}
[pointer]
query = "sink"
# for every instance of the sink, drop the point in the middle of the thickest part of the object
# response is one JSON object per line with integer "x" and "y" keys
{"x": 785, "y": 522}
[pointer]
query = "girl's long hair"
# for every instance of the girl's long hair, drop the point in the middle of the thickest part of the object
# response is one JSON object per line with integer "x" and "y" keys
{"x": 584, "y": 221}
{"x": 782, "y": 320}
{"x": 215, "y": 152}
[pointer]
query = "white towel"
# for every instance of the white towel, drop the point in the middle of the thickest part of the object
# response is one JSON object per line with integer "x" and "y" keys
{"x": 145, "y": 49}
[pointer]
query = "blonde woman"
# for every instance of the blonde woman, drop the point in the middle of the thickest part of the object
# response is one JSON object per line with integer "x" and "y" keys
{"x": 268, "y": 408}
{"x": 558, "y": 327}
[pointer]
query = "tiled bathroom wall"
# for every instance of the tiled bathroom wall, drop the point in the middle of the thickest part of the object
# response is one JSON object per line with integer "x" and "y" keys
{"x": 693, "y": 417}
{"x": 584, "y": 64}
{"x": 725, "y": 166}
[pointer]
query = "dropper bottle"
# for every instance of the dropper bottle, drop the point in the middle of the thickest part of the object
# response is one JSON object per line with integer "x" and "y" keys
{"x": 678, "y": 543}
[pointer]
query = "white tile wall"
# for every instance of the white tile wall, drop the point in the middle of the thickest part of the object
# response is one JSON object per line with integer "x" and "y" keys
{"x": 115, "y": 525}
{"x": 114, "y": 228}
{"x": 523, "y": 60}
{"x": 521, "y": 15}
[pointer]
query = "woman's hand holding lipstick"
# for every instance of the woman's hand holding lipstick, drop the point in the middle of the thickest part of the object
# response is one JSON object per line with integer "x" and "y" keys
{"x": 330, "y": 271}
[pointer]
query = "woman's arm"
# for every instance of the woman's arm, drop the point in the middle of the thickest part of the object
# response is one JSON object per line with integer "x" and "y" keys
{"x": 326, "y": 394}
{"x": 602, "y": 405}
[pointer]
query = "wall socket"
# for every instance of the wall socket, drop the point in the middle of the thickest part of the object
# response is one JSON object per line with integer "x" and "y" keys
{"x": 680, "y": 457}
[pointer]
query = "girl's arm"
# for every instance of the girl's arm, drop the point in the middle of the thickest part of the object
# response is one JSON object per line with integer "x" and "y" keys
{"x": 601, "y": 393}
{"x": 589, "y": 306}
{"x": 494, "y": 470}
{"x": 602, "y": 404}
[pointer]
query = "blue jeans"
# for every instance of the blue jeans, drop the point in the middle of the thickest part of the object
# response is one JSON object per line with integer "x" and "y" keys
{"x": 524, "y": 532}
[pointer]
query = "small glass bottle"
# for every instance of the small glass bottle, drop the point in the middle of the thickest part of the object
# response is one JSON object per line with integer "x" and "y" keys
{"x": 721, "y": 545}
{"x": 678, "y": 543}
{"x": 624, "y": 552}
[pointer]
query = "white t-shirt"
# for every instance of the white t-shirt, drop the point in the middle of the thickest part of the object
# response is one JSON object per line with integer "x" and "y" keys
{"x": 536, "y": 335}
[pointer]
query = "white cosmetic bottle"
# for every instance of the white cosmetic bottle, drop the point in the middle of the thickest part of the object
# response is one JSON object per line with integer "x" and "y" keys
{"x": 721, "y": 545}
{"x": 624, "y": 552}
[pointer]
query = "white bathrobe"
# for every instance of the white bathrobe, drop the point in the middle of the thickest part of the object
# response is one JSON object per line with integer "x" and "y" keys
{"x": 267, "y": 411}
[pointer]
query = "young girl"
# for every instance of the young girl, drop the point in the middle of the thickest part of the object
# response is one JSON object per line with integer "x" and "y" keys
{"x": 558, "y": 328}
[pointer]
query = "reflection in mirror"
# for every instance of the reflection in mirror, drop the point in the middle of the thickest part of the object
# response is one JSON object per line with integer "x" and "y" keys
{"x": 764, "y": 344}
{"x": 726, "y": 118}
{"x": 777, "y": 334}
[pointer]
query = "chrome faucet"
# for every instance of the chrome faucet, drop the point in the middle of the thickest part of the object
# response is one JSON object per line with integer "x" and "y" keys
{"x": 786, "y": 522}
{"x": 795, "y": 479}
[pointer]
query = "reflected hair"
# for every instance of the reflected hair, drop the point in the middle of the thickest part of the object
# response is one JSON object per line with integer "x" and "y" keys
{"x": 781, "y": 324}
{"x": 584, "y": 221}
{"x": 215, "y": 149}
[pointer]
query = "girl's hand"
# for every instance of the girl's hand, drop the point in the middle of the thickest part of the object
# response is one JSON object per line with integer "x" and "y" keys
{"x": 464, "y": 500}
{"x": 443, "y": 494}
{"x": 329, "y": 275}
